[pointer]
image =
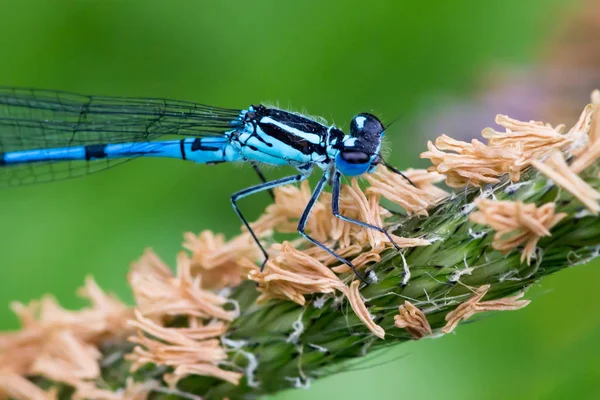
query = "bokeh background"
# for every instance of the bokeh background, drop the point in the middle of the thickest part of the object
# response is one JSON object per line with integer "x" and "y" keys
{"x": 439, "y": 67}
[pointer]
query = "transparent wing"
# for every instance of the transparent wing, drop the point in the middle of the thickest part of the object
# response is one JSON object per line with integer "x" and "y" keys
{"x": 40, "y": 119}
{"x": 42, "y": 172}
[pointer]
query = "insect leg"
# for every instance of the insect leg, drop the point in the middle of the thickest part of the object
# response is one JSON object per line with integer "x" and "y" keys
{"x": 304, "y": 218}
{"x": 256, "y": 189}
{"x": 262, "y": 178}
{"x": 335, "y": 207}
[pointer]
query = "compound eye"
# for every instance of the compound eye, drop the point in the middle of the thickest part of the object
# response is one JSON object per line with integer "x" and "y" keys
{"x": 352, "y": 162}
{"x": 355, "y": 157}
{"x": 366, "y": 125}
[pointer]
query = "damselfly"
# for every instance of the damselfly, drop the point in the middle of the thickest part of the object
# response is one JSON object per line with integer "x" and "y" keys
{"x": 50, "y": 135}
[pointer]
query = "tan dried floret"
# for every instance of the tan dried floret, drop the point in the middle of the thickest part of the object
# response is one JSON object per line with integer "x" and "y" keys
{"x": 59, "y": 344}
{"x": 160, "y": 294}
{"x": 364, "y": 258}
{"x": 40, "y": 320}
{"x": 374, "y": 254}
{"x": 174, "y": 347}
{"x": 414, "y": 200}
{"x": 556, "y": 168}
{"x": 413, "y": 320}
{"x": 353, "y": 250}
{"x": 508, "y": 152}
{"x": 358, "y": 305}
{"x": 516, "y": 223}
{"x": 356, "y": 253}
{"x": 474, "y": 305}
{"x": 292, "y": 275}
{"x": 67, "y": 358}
{"x": 590, "y": 153}
{"x": 595, "y": 97}
{"x": 531, "y": 139}
{"x": 215, "y": 259}
{"x": 132, "y": 391}
{"x": 17, "y": 387}
{"x": 185, "y": 370}
{"x": 426, "y": 181}
{"x": 470, "y": 163}
{"x": 355, "y": 204}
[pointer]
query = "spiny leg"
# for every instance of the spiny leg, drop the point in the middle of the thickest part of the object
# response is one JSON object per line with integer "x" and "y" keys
{"x": 335, "y": 206}
{"x": 261, "y": 176}
{"x": 256, "y": 189}
{"x": 304, "y": 219}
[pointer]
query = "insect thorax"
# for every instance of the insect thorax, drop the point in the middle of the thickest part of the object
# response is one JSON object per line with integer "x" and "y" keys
{"x": 278, "y": 137}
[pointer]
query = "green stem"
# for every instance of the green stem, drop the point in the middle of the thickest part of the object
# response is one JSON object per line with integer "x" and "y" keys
{"x": 282, "y": 345}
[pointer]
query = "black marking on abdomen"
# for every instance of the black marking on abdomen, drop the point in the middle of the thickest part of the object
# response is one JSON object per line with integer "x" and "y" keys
{"x": 2, "y": 160}
{"x": 197, "y": 145}
{"x": 182, "y": 148}
{"x": 95, "y": 151}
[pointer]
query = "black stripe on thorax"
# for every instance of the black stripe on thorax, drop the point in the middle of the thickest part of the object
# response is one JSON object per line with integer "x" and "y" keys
{"x": 297, "y": 143}
{"x": 294, "y": 121}
{"x": 95, "y": 151}
{"x": 2, "y": 159}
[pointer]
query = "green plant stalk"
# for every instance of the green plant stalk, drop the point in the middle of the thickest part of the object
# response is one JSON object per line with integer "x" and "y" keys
{"x": 282, "y": 345}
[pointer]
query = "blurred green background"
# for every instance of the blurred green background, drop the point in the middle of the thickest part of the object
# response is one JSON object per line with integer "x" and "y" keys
{"x": 325, "y": 57}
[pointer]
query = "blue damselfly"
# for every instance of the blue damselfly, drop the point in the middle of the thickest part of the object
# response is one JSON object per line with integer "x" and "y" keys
{"x": 50, "y": 135}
